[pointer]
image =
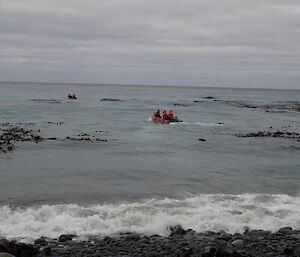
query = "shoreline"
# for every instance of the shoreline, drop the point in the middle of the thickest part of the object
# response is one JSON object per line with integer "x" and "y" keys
{"x": 180, "y": 242}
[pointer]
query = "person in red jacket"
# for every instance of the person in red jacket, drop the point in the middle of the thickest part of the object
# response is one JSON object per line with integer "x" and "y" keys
{"x": 165, "y": 116}
{"x": 171, "y": 114}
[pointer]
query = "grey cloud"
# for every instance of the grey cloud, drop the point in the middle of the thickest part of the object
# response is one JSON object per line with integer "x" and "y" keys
{"x": 192, "y": 42}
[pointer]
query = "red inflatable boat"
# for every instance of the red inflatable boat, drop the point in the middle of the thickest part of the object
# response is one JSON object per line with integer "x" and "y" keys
{"x": 162, "y": 121}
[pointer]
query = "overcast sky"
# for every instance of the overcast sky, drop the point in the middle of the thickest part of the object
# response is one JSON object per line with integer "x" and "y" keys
{"x": 246, "y": 43}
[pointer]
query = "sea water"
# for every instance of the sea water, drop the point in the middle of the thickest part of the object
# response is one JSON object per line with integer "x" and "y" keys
{"x": 147, "y": 176}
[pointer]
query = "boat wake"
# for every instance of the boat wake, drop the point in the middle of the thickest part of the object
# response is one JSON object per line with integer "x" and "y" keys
{"x": 203, "y": 124}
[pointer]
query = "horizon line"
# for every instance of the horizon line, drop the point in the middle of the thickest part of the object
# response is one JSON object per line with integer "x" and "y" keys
{"x": 142, "y": 85}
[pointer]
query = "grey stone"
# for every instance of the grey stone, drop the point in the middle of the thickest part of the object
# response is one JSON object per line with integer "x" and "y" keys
{"x": 286, "y": 230}
{"x": 64, "y": 238}
{"x": 237, "y": 242}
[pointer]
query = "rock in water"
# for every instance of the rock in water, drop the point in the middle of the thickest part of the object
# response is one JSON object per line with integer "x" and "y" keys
{"x": 177, "y": 230}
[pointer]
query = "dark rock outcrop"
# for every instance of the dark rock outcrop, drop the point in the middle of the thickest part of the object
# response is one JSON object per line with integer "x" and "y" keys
{"x": 18, "y": 249}
{"x": 65, "y": 238}
{"x": 277, "y": 134}
{"x": 13, "y": 134}
{"x": 110, "y": 100}
{"x": 284, "y": 106}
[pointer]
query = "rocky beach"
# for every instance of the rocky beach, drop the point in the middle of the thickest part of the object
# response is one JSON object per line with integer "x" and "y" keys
{"x": 180, "y": 243}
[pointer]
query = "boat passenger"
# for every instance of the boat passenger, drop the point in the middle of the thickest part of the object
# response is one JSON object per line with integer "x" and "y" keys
{"x": 157, "y": 114}
{"x": 165, "y": 116}
{"x": 171, "y": 114}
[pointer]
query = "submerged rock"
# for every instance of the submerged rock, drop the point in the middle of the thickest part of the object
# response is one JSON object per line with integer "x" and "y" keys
{"x": 278, "y": 134}
{"x": 285, "y": 106}
{"x": 14, "y": 134}
{"x": 209, "y": 97}
{"x": 181, "y": 104}
{"x": 110, "y": 100}
{"x": 55, "y": 123}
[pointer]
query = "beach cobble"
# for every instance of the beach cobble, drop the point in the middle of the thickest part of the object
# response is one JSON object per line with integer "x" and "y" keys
{"x": 179, "y": 243}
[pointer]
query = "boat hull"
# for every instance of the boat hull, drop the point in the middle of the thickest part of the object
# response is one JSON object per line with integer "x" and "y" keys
{"x": 162, "y": 121}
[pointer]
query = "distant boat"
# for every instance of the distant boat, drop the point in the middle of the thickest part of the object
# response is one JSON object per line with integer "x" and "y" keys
{"x": 72, "y": 96}
{"x": 162, "y": 121}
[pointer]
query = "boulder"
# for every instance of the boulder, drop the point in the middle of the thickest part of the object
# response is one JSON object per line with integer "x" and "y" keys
{"x": 41, "y": 241}
{"x": 237, "y": 243}
{"x": 177, "y": 230}
{"x": 64, "y": 238}
{"x": 286, "y": 230}
{"x": 22, "y": 250}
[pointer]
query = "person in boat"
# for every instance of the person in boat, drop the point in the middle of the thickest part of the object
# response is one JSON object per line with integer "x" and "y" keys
{"x": 157, "y": 114}
{"x": 171, "y": 114}
{"x": 165, "y": 116}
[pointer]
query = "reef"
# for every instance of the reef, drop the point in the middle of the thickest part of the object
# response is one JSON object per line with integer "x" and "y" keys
{"x": 278, "y": 134}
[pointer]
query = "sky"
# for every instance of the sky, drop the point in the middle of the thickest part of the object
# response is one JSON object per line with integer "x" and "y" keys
{"x": 216, "y": 43}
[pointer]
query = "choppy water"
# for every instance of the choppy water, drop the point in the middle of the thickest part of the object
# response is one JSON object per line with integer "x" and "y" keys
{"x": 147, "y": 176}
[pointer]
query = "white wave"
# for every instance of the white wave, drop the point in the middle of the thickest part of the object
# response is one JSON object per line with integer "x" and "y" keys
{"x": 199, "y": 124}
{"x": 201, "y": 213}
{"x": 208, "y": 124}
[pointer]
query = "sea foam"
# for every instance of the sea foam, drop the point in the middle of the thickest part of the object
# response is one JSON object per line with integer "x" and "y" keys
{"x": 231, "y": 213}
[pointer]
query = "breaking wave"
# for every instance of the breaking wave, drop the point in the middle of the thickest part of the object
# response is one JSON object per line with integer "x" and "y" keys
{"x": 231, "y": 213}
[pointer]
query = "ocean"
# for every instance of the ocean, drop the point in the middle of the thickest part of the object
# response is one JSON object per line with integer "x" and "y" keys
{"x": 141, "y": 176}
